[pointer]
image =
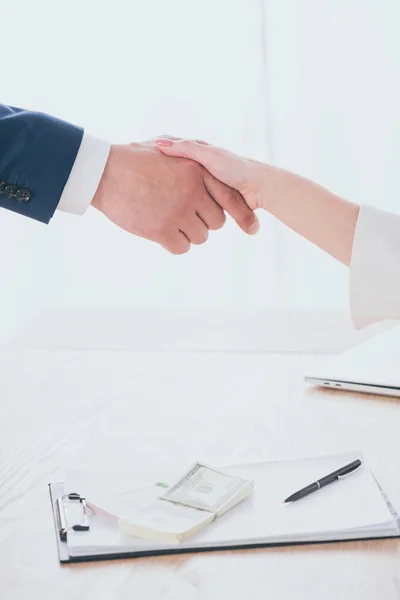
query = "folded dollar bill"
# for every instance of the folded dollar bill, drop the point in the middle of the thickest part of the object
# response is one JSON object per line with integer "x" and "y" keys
{"x": 207, "y": 489}
{"x": 199, "y": 496}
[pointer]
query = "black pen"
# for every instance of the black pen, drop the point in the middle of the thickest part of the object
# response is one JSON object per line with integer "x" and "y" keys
{"x": 320, "y": 483}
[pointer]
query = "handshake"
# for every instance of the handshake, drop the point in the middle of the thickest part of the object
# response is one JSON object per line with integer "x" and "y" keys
{"x": 173, "y": 192}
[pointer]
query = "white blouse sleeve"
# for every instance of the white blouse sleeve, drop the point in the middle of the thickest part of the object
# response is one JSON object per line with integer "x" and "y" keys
{"x": 375, "y": 267}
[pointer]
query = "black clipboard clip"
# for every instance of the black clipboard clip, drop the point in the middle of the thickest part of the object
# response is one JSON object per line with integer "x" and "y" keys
{"x": 62, "y": 521}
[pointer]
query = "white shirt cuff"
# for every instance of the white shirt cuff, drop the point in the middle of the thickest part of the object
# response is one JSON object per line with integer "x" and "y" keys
{"x": 375, "y": 267}
{"x": 85, "y": 175}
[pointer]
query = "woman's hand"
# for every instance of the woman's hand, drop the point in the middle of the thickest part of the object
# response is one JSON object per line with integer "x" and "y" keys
{"x": 243, "y": 174}
{"x": 309, "y": 209}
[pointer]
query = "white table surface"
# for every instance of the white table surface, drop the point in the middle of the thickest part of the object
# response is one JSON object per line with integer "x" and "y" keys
{"x": 92, "y": 407}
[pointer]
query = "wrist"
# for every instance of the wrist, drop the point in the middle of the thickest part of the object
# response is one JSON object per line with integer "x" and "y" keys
{"x": 269, "y": 183}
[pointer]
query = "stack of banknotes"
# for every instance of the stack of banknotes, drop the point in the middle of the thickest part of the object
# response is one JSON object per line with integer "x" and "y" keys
{"x": 174, "y": 513}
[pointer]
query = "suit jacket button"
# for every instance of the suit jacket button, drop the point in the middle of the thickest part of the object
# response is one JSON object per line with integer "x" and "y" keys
{"x": 24, "y": 195}
{"x": 11, "y": 191}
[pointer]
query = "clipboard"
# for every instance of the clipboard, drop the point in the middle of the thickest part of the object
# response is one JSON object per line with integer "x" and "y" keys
{"x": 226, "y": 535}
{"x": 57, "y": 492}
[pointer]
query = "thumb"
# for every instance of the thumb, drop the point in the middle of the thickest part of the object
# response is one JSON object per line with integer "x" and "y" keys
{"x": 217, "y": 161}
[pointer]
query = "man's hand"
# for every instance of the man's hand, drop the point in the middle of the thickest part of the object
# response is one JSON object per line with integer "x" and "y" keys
{"x": 171, "y": 201}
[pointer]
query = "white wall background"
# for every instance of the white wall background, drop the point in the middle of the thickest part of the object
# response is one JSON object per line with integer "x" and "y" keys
{"x": 312, "y": 85}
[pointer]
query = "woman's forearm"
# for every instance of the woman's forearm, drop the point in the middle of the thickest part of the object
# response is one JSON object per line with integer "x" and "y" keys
{"x": 312, "y": 211}
{"x": 323, "y": 218}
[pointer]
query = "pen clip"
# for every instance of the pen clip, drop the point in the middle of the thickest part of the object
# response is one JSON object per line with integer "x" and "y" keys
{"x": 349, "y": 473}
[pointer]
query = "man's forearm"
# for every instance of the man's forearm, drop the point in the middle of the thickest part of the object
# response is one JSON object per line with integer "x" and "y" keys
{"x": 312, "y": 211}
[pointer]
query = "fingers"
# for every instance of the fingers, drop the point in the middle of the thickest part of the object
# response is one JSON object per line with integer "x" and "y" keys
{"x": 233, "y": 202}
{"x": 175, "y": 138}
{"x": 178, "y": 243}
{"x": 229, "y": 168}
{"x": 195, "y": 230}
{"x": 222, "y": 177}
{"x": 212, "y": 214}
{"x": 198, "y": 151}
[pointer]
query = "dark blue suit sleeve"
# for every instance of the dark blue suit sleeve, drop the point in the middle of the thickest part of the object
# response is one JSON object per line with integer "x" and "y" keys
{"x": 37, "y": 153}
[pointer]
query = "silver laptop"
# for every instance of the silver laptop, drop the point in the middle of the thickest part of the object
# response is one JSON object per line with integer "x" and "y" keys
{"x": 372, "y": 367}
